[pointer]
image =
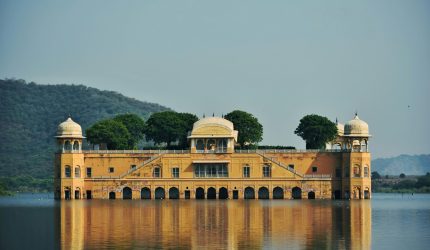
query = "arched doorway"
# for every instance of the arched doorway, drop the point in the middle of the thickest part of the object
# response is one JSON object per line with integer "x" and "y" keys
{"x": 145, "y": 193}
{"x": 249, "y": 193}
{"x": 173, "y": 193}
{"x": 160, "y": 193}
{"x": 223, "y": 193}
{"x": 77, "y": 194}
{"x": 67, "y": 194}
{"x": 297, "y": 193}
{"x": 366, "y": 194}
{"x": 311, "y": 195}
{"x": 263, "y": 193}
{"x": 357, "y": 193}
{"x": 127, "y": 193}
{"x": 211, "y": 193}
{"x": 112, "y": 195}
{"x": 278, "y": 193}
{"x": 337, "y": 195}
{"x": 200, "y": 193}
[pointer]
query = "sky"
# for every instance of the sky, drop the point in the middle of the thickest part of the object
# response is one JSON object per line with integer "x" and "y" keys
{"x": 279, "y": 60}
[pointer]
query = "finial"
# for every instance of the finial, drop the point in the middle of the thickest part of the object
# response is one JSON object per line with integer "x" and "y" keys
{"x": 204, "y": 115}
{"x": 356, "y": 113}
{"x": 213, "y": 114}
{"x": 336, "y": 121}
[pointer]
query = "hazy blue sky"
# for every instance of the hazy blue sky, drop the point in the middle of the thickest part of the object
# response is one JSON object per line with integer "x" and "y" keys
{"x": 278, "y": 60}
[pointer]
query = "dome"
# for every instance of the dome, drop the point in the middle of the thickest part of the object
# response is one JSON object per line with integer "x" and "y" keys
{"x": 356, "y": 127}
{"x": 69, "y": 129}
{"x": 213, "y": 127}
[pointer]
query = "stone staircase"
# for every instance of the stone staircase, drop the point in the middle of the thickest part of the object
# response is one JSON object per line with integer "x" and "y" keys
{"x": 150, "y": 160}
{"x": 280, "y": 164}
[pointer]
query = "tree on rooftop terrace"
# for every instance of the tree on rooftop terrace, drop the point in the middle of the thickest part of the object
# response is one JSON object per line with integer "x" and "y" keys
{"x": 164, "y": 127}
{"x": 111, "y": 132}
{"x": 135, "y": 126}
{"x": 316, "y": 131}
{"x": 187, "y": 125}
{"x": 250, "y": 130}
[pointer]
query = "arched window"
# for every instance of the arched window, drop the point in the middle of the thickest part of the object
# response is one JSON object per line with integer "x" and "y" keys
{"x": 156, "y": 172}
{"x": 210, "y": 145}
{"x": 366, "y": 171}
{"x": 267, "y": 172}
{"x": 311, "y": 195}
{"x": 77, "y": 172}
{"x": 67, "y": 146}
{"x": 356, "y": 170}
{"x": 200, "y": 145}
{"x": 76, "y": 145}
{"x": 112, "y": 196}
{"x": 222, "y": 145}
{"x": 68, "y": 172}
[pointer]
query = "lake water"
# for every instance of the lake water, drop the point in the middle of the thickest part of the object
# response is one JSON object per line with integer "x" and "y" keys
{"x": 388, "y": 221}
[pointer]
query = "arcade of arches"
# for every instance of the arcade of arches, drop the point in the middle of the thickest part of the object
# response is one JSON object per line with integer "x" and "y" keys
{"x": 210, "y": 193}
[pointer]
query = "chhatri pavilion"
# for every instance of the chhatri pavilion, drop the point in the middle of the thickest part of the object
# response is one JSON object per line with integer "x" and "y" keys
{"x": 213, "y": 169}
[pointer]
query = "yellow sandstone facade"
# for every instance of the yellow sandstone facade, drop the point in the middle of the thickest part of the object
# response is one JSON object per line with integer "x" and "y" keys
{"x": 213, "y": 169}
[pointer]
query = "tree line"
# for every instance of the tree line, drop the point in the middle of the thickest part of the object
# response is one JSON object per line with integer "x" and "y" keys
{"x": 169, "y": 127}
{"x": 403, "y": 183}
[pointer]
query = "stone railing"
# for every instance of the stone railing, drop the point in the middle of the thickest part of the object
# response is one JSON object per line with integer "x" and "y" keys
{"x": 268, "y": 151}
{"x": 317, "y": 176}
{"x": 151, "y": 151}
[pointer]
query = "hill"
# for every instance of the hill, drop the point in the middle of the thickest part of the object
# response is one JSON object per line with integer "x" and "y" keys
{"x": 407, "y": 164}
{"x": 30, "y": 114}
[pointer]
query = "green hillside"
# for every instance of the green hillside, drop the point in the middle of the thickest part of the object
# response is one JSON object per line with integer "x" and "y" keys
{"x": 30, "y": 114}
{"x": 407, "y": 164}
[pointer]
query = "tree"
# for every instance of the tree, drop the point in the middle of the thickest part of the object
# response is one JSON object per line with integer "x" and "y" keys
{"x": 165, "y": 127}
{"x": 316, "y": 131}
{"x": 375, "y": 175}
{"x": 423, "y": 181}
{"x": 188, "y": 121}
{"x": 135, "y": 126}
{"x": 250, "y": 130}
{"x": 111, "y": 132}
{"x": 402, "y": 175}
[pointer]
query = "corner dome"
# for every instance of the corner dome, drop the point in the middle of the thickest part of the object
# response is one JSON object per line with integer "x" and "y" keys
{"x": 69, "y": 129}
{"x": 213, "y": 127}
{"x": 356, "y": 127}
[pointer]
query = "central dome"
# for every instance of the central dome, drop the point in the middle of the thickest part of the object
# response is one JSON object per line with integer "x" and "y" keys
{"x": 356, "y": 127}
{"x": 69, "y": 129}
{"x": 213, "y": 127}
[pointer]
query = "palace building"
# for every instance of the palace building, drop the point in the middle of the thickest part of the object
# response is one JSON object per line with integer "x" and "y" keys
{"x": 212, "y": 169}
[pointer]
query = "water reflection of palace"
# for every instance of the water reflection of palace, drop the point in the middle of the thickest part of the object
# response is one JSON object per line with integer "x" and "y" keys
{"x": 216, "y": 224}
{"x": 213, "y": 169}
